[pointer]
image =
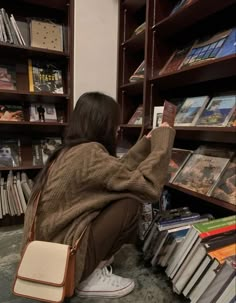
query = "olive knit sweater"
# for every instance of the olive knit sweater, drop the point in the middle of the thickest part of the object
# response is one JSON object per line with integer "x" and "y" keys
{"x": 85, "y": 178}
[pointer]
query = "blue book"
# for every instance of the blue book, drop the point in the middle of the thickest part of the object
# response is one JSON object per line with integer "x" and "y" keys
{"x": 229, "y": 47}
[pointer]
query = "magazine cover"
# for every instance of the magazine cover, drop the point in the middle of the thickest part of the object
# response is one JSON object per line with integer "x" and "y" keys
{"x": 157, "y": 116}
{"x": 218, "y": 111}
{"x": 138, "y": 74}
{"x": 225, "y": 188}
{"x": 190, "y": 110}
{"x": 43, "y": 148}
{"x": 10, "y": 153}
{"x": 11, "y": 113}
{"x": 137, "y": 117}
{"x": 45, "y": 77}
{"x": 206, "y": 48}
{"x": 229, "y": 45}
{"x": 200, "y": 173}
{"x": 43, "y": 113}
{"x": 7, "y": 77}
{"x": 232, "y": 120}
{"x": 177, "y": 161}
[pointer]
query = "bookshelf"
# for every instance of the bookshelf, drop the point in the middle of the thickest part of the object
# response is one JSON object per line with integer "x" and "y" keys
{"x": 163, "y": 34}
{"x": 60, "y": 12}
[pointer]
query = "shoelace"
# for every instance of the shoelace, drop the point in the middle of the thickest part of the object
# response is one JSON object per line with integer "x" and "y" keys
{"x": 107, "y": 271}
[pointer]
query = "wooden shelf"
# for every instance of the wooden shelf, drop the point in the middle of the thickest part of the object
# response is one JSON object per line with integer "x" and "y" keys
{"x": 134, "y": 88}
{"x": 135, "y": 43}
{"x": 190, "y": 15}
{"x": 25, "y": 167}
{"x": 203, "y": 197}
{"x": 207, "y": 71}
{"x": 134, "y": 5}
{"x": 25, "y": 51}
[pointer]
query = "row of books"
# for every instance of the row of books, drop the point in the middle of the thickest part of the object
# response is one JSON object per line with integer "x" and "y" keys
{"x": 198, "y": 252}
{"x": 208, "y": 170}
{"x": 203, "y": 49}
{"x": 37, "y": 113}
{"x": 10, "y": 151}
{"x": 15, "y": 191}
{"x": 43, "y": 77}
{"x": 219, "y": 111}
{"x": 30, "y": 32}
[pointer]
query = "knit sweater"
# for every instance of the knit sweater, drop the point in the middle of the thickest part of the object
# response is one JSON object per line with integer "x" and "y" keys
{"x": 85, "y": 179}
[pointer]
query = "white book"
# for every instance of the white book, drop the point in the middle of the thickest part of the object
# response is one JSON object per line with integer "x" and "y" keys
{"x": 17, "y": 195}
{"x": 2, "y": 197}
{"x": 169, "y": 252}
{"x": 20, "y": 191}
{"x": 229, "y": 294}
{"x": 10, "y": 198}
{"x": 157, "y": 116}
{"x": 16, "y": 29}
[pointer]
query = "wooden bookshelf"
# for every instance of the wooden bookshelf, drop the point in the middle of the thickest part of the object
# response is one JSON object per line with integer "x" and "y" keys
{"x": 60, "y": 12}
{"x": 165, "y": 33}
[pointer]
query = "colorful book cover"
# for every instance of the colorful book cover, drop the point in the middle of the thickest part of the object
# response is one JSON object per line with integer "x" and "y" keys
{"x": 200, "y": 173}
{"x": 177, "y": 161}
{"x": 225, "y": 188}
{"x": 137, "y": 117}
{"x": 11, "y": 113}
{"x": 7, "y": 77}
{"x": 229, "y": 47}
{"x": 232, "y": 120}
{"x": 43, "y": 113}
{"x": 190, "y": 111}
{"x": 10, "y": 153}
{"x": 215, "y": 224}
{"x": 138, "y": 74}
{"x": 222, "y": 253}
{"x": 45, "y": 77}
{"x": 218, "y": 111}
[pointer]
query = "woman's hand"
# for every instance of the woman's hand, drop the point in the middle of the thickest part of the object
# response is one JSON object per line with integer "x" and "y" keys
{"x": 164, "y": 124}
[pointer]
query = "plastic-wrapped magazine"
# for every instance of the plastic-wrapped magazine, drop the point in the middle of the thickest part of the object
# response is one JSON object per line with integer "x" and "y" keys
{"x": 10, "y": 153}
{"x": 43, "y": 148}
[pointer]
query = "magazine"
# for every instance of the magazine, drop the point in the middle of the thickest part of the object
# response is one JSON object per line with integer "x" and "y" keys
{"x": 137, "y": 117}
{"x": 10, "y": 153}
{"x": 45, "y": 77}
{"x": 11, "y": 113}
{"x": 7, "y": 77}
{"x": 177, "y": 161}
{"x": 232, "y": 120}
{"x": 190, "y": 110}
{"x": 43, "y": 113}
{"x": 200, "y": 173}
{"x": 43, "y": 148}
{"x": 180, "y": 4}
{"x": 225, "y": 188}
{"x": 218, "y": 111}
{"x": 157, "y": 116}
{"x": 138, "y": 74}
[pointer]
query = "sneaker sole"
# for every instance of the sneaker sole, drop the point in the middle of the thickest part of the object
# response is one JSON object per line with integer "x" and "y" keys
{"x": 107, "y": 294}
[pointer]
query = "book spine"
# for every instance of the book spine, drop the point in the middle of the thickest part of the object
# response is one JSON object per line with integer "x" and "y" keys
{"x": 217, "y": 231}
{"x": 8, "y": 31}
{"x": 30, "y": 71}
{"x": 215, "y": 224}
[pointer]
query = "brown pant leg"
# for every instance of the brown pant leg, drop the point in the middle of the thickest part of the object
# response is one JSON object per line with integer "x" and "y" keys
{"x": 115, "y": 226}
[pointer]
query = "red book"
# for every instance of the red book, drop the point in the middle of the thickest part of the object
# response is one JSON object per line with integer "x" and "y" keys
{"x": 169, "y": 113}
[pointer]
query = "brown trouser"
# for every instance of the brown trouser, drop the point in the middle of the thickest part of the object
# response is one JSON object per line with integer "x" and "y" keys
{"x": 115, "y": 226}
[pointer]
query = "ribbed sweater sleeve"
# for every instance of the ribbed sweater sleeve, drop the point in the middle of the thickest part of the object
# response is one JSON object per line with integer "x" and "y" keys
{"x": 144, "y": 181}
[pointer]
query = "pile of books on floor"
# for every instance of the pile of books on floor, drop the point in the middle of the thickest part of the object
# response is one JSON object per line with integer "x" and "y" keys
{"x": 15, "y": 191}
{"x": 198, "y": 253}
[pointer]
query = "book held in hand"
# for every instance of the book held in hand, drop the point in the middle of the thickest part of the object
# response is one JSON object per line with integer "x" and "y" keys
{"x": 157, "y": 116}
{"x": 169, "y": 113}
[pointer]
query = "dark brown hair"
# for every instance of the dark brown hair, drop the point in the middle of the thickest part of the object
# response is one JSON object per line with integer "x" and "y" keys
{"x": 95, "y": 118}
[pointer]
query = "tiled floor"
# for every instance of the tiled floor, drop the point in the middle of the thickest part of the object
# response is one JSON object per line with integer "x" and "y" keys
{"x": 151, "y": 287}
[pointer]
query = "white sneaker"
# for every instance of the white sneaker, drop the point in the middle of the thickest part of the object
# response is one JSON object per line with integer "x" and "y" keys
{"x": 103, "y": 283}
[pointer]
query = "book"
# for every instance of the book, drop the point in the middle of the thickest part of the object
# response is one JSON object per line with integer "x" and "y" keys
{"x": 145, "y": 219}
{"x": 169, "y": 113}
{"x": 45, "y": 34}
{"x": 7, "y": 77}
{"x": 228, "y": 47}
{"x": 228, "y": 294}
{"x": 200, "y": 173}
{"x": 43, "y": 113}
{"x": 23, "y": 30}
{"x": 45, "y": 77}
{"x": 11, "y": 113}
{"x": 138, "y": 73}
{"x": 157, "y": 116}
{"x": 175, "y": 60}
{"x": 218, "y": 111}
{"x": 10, "y": 153}
{"x": 206, "y": 48}
{"x": 225, "y": 188}
{"x": 232, "y": 120}
{"x": 43, "y": 148}
{"x": 179, "y": 5}
{"x": 141, "y": 28}
{"x": 137, "y": 117}
{"x": 177, "y": 161}
{"x": 190, "y": 111}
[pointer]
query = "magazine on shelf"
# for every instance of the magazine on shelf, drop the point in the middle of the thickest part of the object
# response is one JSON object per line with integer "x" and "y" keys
{"x": 190, "y": 111}
{"x": 138, "y": 74}
{"x": 11, "y": 112}
{"x": 232, "y": 120}
{"x": 225, "y": 188}
{"x": 177, "y": 161}
{"x": 200, "y": 173}
{"x": 45, "y": 77}
{"x": 43, "y": 113}
{"x": 10, "y": 153}
{"x": 137, "y": 117}
{"x": 179, "y": 5}
{"x": 218, "y": 112}
{"x": 43, "y": 148}
{"x": 157, "y": 116}
{"x": 7, "y": 77}
{"x": 140, "y": 29}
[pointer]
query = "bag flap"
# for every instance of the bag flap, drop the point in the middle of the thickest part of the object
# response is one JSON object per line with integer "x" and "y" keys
{"x": 44, "y": 262}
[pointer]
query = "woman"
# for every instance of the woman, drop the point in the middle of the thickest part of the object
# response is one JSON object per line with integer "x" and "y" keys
{"x": 87, "y": 185}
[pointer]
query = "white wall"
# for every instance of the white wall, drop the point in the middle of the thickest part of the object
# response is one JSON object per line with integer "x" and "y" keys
{"x": 96, "y": 25}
